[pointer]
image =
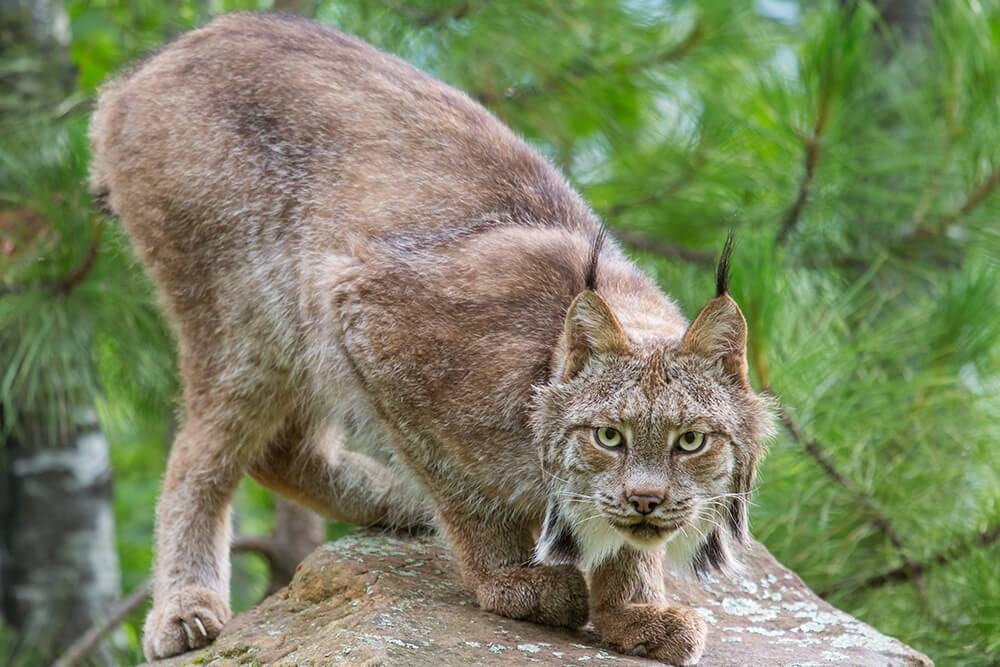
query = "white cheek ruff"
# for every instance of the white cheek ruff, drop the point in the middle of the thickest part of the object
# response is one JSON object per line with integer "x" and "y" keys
{"x": 685, "y": 543}
{"x": 597, "y": 539}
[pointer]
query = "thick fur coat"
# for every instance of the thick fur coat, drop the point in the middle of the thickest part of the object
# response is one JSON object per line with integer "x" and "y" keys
{"x": 389, "y": 308}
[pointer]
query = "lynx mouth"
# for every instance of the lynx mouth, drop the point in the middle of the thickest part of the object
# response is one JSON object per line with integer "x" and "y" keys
{"x": 647, "y": 535}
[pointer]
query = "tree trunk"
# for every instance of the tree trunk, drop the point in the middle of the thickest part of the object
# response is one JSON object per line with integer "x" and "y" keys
{"x": 910, "y": 17}
{"x": 61, "y": 567}
{"x": 34, "y": 34}
{"x": 58, "y": 563}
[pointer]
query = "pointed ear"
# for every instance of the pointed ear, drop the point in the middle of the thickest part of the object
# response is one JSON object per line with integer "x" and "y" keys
{"x": 591, "y": 330}
{"x": 720, "y": 333}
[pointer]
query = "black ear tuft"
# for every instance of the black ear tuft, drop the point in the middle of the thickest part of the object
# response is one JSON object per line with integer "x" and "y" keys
{"x": 590, "y": 277}
{"x": 722, "y": 271}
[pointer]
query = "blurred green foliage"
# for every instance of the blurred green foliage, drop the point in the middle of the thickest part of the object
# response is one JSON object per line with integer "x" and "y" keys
{"x": 859, "y": 168}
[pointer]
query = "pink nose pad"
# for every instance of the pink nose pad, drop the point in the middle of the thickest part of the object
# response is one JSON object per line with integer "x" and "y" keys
{"x": 644, "y": 503}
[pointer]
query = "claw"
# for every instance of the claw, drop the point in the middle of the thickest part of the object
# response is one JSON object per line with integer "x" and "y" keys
{"x": 187, "y": 631}
{"x": 201, "y": 627}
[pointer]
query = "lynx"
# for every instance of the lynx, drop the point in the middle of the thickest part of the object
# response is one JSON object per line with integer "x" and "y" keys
{"x": 392, "y": 310}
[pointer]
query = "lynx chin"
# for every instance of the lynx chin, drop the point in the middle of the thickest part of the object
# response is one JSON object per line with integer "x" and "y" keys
{"x": 392, "y": 310}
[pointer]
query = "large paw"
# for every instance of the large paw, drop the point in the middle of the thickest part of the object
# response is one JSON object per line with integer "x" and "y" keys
{"x": 547, "y": 594}
{"x": 675, "y": 635}
{"x": 186, "y": 619}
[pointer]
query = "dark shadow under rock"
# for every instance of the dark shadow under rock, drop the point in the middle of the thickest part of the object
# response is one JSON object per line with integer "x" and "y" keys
{"x": 375, "y": 599}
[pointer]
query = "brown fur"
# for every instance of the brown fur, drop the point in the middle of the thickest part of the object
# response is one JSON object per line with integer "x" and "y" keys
{"x": 388, "y": 307}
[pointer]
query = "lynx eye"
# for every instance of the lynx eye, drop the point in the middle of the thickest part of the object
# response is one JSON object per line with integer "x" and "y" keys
{"x": 608, "y": 437}
{"x": 691, "y": 441}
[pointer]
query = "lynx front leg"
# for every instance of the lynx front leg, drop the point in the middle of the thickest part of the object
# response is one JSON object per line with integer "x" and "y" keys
{"x": 630, "y": 609}
{"x": 493, "y": 554}
{"x": 191, "y": 580}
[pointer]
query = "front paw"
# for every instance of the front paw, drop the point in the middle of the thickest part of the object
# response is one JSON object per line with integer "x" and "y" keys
{"x": 546, "y": 594}
{"x": 675, "y": 635}
{"x": 184, "y": 620}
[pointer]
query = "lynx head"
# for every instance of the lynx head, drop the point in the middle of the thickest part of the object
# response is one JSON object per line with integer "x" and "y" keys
{"x": 650, "y": 444}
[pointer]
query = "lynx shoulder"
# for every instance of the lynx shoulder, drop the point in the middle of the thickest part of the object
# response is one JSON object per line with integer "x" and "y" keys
{"x": 389, "y": 308}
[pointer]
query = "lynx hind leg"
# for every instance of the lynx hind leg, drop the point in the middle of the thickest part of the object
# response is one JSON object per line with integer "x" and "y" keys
{"x": 630, "y": 610}
{"x": 493, "y": 554}
{"x": 191, "y": 579}
{"x": 318, "y": 472}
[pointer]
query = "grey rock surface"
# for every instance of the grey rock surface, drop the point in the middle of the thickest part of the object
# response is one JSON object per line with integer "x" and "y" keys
{"x": 376, "y": 599}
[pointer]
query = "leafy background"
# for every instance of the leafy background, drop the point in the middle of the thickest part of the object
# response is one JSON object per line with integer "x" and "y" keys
{"x": 856, "y": 156}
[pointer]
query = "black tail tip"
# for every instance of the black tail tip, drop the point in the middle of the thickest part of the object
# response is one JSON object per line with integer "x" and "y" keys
{"x": 722, "y": 271}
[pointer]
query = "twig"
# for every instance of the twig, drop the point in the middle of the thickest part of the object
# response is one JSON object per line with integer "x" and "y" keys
{"x": 79, "y": 650}
{"x": 791, "y": 219}
{"x": 975, "y": 198}
{"x": 928, "y": 236}
{"x": 66, "y": 284}
{"x": 71, "y": 280}
{"x": 813, "y": 149}
{"x": 260, "y": 545}
{"x": 903, "y": 573}
{"x": 671, "y": 250}
{"x": 665, "y": 191}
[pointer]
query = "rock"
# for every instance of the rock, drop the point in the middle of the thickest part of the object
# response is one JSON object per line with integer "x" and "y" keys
{"x": 375, "y": 599}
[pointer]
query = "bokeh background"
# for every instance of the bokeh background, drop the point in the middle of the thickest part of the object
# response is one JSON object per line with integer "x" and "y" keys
{"x": 854, "y": 148}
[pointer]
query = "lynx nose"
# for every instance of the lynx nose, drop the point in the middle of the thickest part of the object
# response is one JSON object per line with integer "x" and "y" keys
{"x": 644, "y": 502}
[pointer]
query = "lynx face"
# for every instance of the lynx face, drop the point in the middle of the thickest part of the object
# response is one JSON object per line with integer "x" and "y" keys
{"x": 649, "y": 445}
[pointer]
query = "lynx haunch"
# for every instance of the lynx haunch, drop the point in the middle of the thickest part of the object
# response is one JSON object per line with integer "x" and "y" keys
{"x": 390, "y": 309}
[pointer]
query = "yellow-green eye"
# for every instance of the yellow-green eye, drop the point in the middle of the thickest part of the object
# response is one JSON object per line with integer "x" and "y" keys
{"x": 691, "y": 441}
{"x": 608, "y": 437}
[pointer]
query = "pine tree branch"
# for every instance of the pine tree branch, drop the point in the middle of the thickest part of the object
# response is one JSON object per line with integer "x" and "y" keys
{"x": 904, "y": 573}
{"x": 951, "y": 130}
{"x": 671, "y": 188}
{"x": 826, "y": 465}
{"x": 813, "y": 151}
{"x": 974, "y": 199}
{"x": 585, "y": 68}
{"x": 928, "y": 236}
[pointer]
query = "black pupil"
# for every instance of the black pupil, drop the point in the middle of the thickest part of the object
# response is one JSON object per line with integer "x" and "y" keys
{"x": 689, "y": 436}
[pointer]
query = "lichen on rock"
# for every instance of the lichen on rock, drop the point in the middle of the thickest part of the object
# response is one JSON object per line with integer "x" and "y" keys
{"x": 373, "y": 598}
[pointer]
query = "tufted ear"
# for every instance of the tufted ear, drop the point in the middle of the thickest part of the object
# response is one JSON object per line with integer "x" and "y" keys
{"x": 720, "y": 333}
{"x": 591, "y": 330}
